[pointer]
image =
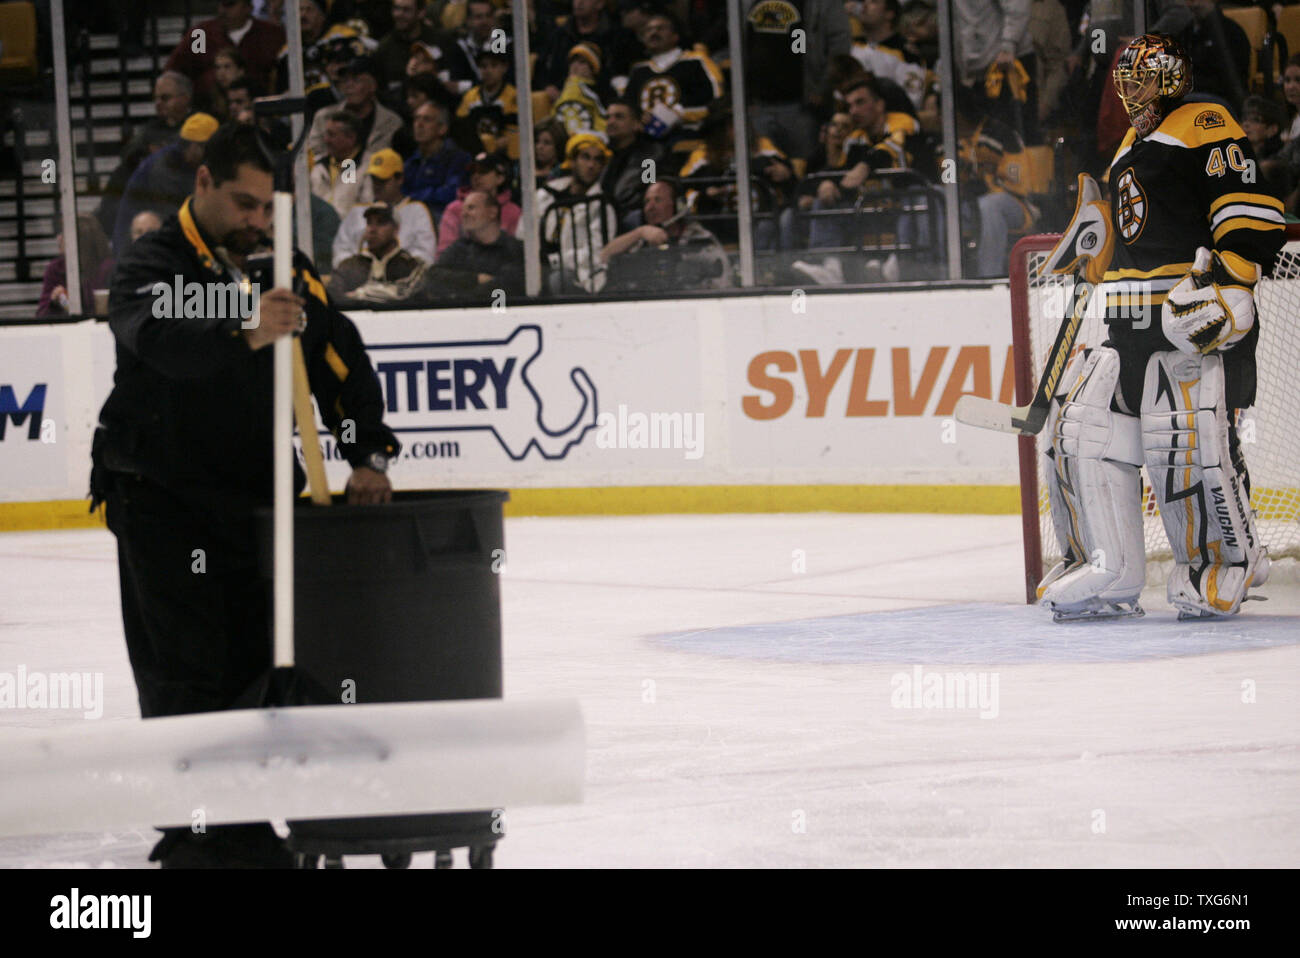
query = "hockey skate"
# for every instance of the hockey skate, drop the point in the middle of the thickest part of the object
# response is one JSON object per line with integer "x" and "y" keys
{"x": 1195, "y": 594}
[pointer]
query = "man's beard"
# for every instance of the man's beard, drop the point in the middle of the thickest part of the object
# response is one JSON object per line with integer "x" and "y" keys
{"x": 242, "y": 242}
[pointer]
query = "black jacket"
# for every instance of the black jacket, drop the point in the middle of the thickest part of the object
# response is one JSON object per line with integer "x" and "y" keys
{"x": 191, "y": 407}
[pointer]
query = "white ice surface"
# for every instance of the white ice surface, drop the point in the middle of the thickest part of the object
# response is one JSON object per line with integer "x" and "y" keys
{"x": 740, "y": 713}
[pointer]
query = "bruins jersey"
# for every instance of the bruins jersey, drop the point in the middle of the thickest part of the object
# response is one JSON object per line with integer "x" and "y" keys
{"x": 899, "y": 144}
{"x": 491, "y": 121}
{"x": 690, "y": 82}
{"x": 1193, "y": 182}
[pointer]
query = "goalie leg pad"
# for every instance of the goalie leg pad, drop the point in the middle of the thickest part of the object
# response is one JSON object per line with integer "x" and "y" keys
{"x": 1096, "y": 497}
{"x": 1199, "y": 486}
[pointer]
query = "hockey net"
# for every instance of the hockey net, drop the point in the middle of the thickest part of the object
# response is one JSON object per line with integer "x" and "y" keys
{"x": 1270, "y": 430}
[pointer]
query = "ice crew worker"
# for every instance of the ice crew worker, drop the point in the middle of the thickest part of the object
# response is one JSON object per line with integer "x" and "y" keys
{"x": 183, "y": 453}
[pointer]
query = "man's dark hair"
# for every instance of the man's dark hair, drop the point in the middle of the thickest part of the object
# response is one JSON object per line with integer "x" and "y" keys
{"x": 350, "y": 120}
{"x": 233, "y": 146}
{"x": 673, "y": 184}
{"x": 663, "y": 13}
{"x": 867, "y": 81}
{"x": 896, "y": 8}
{"x": 425, "y": 83}
{"x": 624, "y": 101}
{"x": 480, "y": 2}
{"x": 1270, "y": 112}
{"x": 252, "y": 87}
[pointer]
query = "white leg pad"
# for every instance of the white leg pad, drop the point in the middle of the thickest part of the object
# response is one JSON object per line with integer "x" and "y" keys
{"x": 1096, "y": 497}
{"x": 1201, "y": 491}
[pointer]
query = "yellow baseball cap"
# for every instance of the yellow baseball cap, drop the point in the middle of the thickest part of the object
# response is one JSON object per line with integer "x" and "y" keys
{"x": 199, "y": 127}
{"x": 385, "y": 164}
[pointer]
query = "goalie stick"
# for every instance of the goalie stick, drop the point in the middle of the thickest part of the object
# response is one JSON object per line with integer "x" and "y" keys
{"x": 1028, "y": 420}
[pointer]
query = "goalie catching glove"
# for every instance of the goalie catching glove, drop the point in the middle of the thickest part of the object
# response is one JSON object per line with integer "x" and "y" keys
{"x": 1087, "y": 243}
{"x": 1213, "y": 306}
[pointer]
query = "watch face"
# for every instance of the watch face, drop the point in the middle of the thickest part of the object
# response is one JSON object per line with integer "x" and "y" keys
{"x": 378, "y": 461}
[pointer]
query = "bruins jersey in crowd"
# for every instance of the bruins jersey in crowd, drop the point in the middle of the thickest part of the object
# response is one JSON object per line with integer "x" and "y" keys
{"x": 490, "y": 121}
{"x": 1193, "y": 182}
{"x": 685, "y": 80}
{"x": 899, "y": 143}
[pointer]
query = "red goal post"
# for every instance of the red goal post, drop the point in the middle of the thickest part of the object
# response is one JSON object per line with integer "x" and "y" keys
{"x": 1270, "y": 430}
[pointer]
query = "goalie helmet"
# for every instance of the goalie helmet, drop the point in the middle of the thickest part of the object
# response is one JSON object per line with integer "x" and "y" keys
{"x": 1152, "y": 71}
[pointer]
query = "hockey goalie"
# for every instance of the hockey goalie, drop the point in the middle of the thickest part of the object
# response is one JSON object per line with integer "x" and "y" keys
{"x": 1175, "y": 256}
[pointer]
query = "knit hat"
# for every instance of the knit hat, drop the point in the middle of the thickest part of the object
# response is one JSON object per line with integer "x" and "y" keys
{"x": 586, "y": 138}
{"x": 587, "y": 51}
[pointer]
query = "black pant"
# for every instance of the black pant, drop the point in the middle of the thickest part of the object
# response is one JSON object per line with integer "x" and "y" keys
{"x": 194, "y": 609}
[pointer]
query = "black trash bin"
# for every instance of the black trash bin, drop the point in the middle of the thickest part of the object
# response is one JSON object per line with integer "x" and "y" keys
{"x": 399, "y": 603}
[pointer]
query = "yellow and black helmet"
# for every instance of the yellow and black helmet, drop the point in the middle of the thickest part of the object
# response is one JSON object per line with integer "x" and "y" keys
{"x": 1152, "y": 71}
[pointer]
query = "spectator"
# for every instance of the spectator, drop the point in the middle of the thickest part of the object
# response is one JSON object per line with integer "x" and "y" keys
{"x": 95, "y": 269}
{"x": 1218, "y": 48}
{"x": 336, "y": 56}
{"x": 1291, "y": 91}
{"x": 1263, "y": 121}
{"x": 486, "y": 258}
{"x": 668, "y": 252}
{"x": 590, "y": 23}
{"x": 257, "y": 42}
{"x": 335, "y": 175}
{"x": 414, "y": 223}
{"x": 438, "y": 166}
{"x": 376, "y": 123}
{"x": 172, "y": 97}
{"x": 488, "y": 115}
{"x": 579, "y": 106}
{"x": 716, "y": 160}
{"x": 164, "y": 180}
{"x": 992, "y": 163}
{"x": 227, "y": 68}
{"x": 146, "y": 221}
{"x": 996, "y": 63}
{"x": 1050, "y": 30}
{"x": 830, "y": 159}
{"x": 880, "y": 139}
{"x": 425, "y": 88}
{"x": 317, "y": 32}
{"x": 920, "y": 31}
{"x": 461, "y": 57}
{"x": 381, "y": 271}
{"x": 585, "y": 219}
{"x": 881, "y": 48}
{"x": 635, "y": 156}
{"x": 786, "y": 77}
{"x": 489, "y": 173}
{"x": 673, "y": 88}
{"x": 395, "y": 49}
{"x": 549, "y": 139}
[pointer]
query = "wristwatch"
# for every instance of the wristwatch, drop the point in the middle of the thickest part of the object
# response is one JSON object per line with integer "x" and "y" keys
{"x": 377, "y": 461}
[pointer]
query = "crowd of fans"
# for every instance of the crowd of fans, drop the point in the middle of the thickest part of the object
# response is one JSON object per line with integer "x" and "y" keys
{"x": 413, "y": 146}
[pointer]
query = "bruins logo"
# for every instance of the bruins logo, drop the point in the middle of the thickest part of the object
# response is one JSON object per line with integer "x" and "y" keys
{"x": 1130, "y": 206}
{"x": 773, "y": 16}
{"x": 1208, "y": 120}
{"x": 660, "y": 89}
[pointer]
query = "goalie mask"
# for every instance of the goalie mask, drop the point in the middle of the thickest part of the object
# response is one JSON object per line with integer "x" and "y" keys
{"x": 1152, "y": 71}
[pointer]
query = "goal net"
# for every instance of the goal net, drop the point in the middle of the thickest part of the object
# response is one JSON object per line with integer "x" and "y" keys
{"x": 1269, "y": 430}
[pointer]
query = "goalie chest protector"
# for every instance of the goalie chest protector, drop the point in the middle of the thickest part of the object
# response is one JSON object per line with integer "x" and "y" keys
{"x": 1193, "y": 182}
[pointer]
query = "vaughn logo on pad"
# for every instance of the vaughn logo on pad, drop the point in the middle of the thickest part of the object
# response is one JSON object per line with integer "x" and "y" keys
{"x": 485, "y": 385}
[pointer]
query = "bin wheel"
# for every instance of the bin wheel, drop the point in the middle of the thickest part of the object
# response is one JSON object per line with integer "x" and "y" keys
{"x": 442, "y": 859}
{"x": 333, "y": 861}
{"x": 397, "y": 860}
{"x": 480, "y": 856}
{"x": 303, "y": 860}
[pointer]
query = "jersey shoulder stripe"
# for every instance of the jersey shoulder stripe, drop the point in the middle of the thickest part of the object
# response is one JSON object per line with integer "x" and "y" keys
{"x": 1197, "y": 124}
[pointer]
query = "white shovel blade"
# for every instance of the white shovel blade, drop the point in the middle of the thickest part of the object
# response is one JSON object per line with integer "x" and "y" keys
{"x": 990, "y": 414}
{"x": 334, "y": 761}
